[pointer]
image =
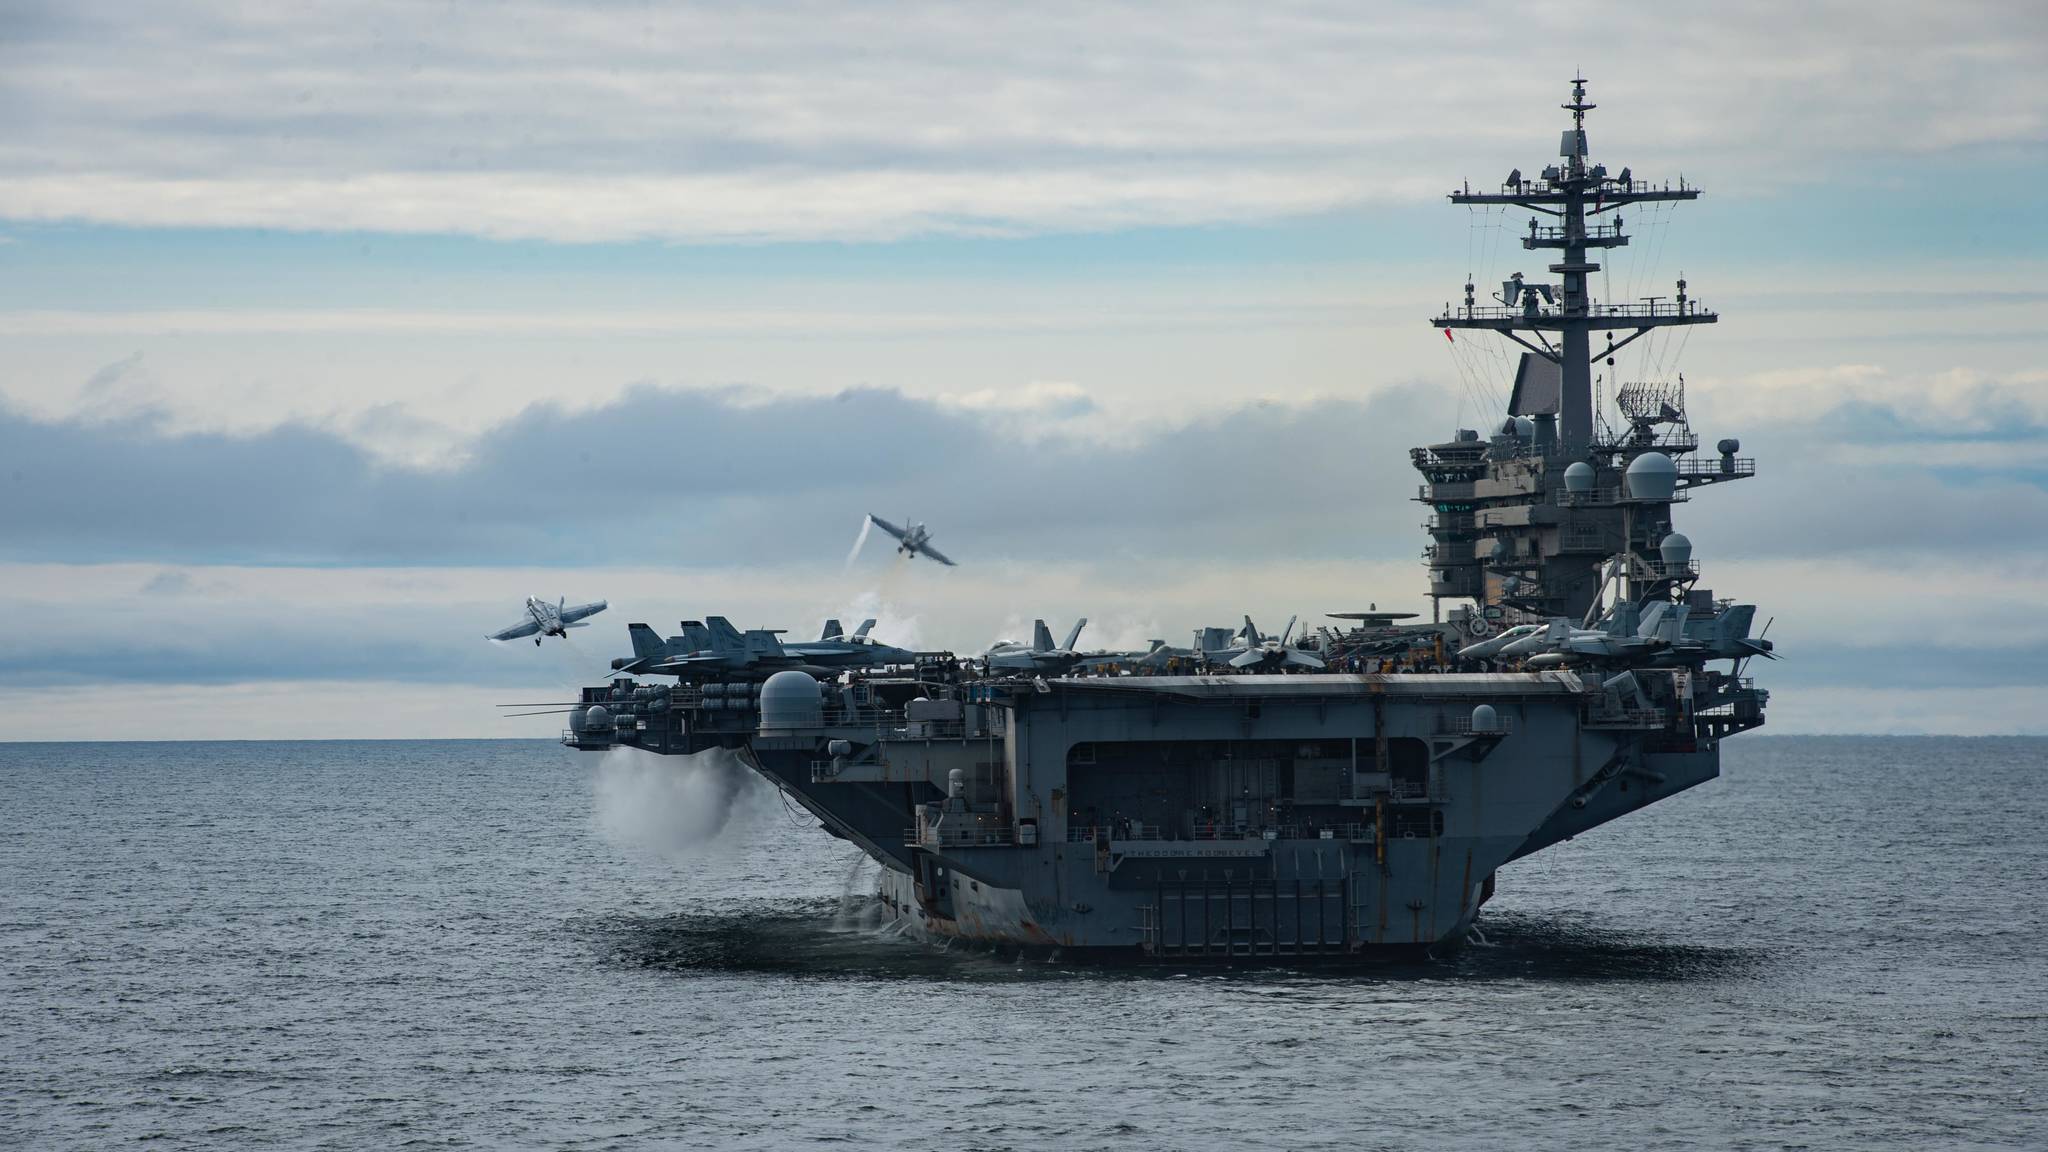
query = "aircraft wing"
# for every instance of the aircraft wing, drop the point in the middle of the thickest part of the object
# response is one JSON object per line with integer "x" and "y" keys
{"x": 518, "y": 631}
{"x": 935, "y": 554}
{"x": 571, "y": 615}
{"x": 885, "y": 526}
{"x": 672, "y": 664}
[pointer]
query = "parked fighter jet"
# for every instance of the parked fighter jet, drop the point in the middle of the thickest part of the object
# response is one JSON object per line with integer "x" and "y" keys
{"x": 1489, "y": 648}
{"x": 834, "y": 650}
{"x": 1661, "y": 629}
{"x": 545, "y": 619}
{"x": 715, "y": 645}
{"x": 708, "y": 645}
{"x": 912, "y": 541}
{"x": 1041, "y": 657}
{"x": 1157, "y": 656}
{"x": 832, "y": 631}
{"x": 1267, "y": 652}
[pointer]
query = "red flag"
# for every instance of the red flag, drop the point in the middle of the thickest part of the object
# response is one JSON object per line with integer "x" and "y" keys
{"x": 1447, "y": 335}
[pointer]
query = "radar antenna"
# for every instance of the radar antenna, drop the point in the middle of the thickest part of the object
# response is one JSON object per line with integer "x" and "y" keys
{"x": 1577, "y": 196}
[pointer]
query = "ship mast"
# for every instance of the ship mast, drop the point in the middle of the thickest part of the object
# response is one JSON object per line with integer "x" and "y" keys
{"x": 1557, "y": 325}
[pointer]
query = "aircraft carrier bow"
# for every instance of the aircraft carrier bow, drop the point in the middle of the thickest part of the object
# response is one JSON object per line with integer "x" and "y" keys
{"x": 1349, "y": 792}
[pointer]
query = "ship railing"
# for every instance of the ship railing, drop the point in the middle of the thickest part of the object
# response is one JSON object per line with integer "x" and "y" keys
{"x": 1716, "y": 467}
{"x": 1590, "y": 232}
{"x": 1091, "y": 833}
{"x": 861, "y": 716}
{"x": 900, "y": 729}
{"x": 1740, "y": 691}
{"x": 1671, "y": 441}
{"x": 1460, "y": 724}
{"x": 1458, "y": 454}
{"x": 1640, "y": 718}
{"x": 1646, "y": 310}
{"x": 967, "y": 836}
{"x": 1445, "y": 490}
{"x": 1603, "y": 497}
{"x": 1590, "y": 498}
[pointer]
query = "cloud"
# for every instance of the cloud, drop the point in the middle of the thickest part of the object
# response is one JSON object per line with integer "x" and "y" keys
{"x": 738, "y": 477}
{"x": 719, "y": 477}
{"x": 811, "y": 120}
{"x": 169, "y": 582}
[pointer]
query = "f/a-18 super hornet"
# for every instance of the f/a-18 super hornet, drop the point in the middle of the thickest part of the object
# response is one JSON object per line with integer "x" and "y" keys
{"x": 835, "y": 650}
{"x": 1157, "y": 656}
{"x": 1663, "y": 633}
{"x": 1269, "y": 653}
{"x": 1491, "y": 647}
{"x": 915, "y": 540}
{"x": 715, "y": 645}
{"x": 1040, "y": 657}
{"x": 545, "y": 619}
{"x": 705, "y": 645}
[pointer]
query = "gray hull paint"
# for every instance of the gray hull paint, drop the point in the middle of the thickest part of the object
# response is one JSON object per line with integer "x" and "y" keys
{"x": 1390, "y": 849}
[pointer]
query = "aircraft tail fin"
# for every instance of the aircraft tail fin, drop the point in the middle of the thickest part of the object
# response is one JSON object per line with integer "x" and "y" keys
{"x": 1734, "y": 623}
{"x": 1041, "y": 637}
{"x": 1674, "y": 624}
{"x": 831, "y": 631}
{"x": 1074, "y": 635}
{"x": 696, "y": 637}
{"x": 1252, "y": 639}
{"x": 867, "y": 625}
{"x": 724, "y": 637}
{"x": 646, "y": 641}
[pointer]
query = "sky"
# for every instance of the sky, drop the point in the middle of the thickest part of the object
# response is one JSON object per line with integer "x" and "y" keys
{"x": 330, "y": 332}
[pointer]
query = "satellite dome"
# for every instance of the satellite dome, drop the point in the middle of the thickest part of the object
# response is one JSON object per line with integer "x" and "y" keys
{"x": 791, "y": 699}
{"x": 1578, "y": 479}
{"x": 1500, "y": 548}
{"x": 1485, "y": 719}
{"x": 1676, "y": 551}
{"x": 1525, "y": 428}
{"x": 1651, "y": 476}
{"x": 596, "y": 717}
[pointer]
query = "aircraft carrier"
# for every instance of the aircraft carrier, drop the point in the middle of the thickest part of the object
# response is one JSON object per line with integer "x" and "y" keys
{"x": 1357, "y": 793}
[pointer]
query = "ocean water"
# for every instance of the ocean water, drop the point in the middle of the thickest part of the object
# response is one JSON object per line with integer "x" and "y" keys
{"x": 1839, "y": 944}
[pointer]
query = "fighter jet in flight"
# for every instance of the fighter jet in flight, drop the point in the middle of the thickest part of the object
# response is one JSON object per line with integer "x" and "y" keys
{"x": 915, "y": 540}
{"x": 545, "y": 619}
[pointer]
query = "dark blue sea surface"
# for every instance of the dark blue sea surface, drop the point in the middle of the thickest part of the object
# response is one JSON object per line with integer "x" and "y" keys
{"x": 1839, "y": 944}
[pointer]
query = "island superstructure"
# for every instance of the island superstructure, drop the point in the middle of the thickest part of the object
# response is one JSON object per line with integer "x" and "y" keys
{"x": 1360, "y": 793}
